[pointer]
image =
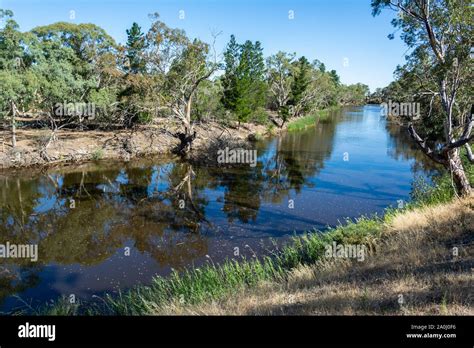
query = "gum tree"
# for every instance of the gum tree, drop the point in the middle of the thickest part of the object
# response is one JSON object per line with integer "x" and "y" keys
{"x": 440, "y": 34}
{"x": 18, "y": 83}
{"x": 180, "y": 66}
{"x": 280, "y": 81}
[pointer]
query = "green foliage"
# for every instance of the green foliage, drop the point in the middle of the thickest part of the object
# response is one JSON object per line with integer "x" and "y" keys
{"x": 441, "y": 189}
{"x": 300, "y": 84}
{"x": 244, "y": 79}
{"x": 103, "y": 99}
{"x": 260, "y": 116}
{"x": 229, "y": 79}
{"x": 280, "y": 76}
{"x": 135, "y": 47}
{"x": 17, "y": 81}
{"x": 98, "y": 154}
{"x": 207, "y": 103}
{"x": 354, "y": 94}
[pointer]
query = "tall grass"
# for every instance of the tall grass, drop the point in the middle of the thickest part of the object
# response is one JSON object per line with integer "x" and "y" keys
{"x": 441, "y": 190}
{"x": 309, "y": 120}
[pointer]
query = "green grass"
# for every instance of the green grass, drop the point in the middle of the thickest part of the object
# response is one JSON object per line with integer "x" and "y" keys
{"x": 442, "y": 188}
{"x": 309, "y": 120}
{"x": 97, "y": 154}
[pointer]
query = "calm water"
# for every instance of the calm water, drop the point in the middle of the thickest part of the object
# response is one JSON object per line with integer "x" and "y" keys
{"x": 128, "y": 223}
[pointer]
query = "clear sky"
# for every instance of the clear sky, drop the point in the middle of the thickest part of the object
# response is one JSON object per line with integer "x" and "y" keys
{"x": 340, "y": 33}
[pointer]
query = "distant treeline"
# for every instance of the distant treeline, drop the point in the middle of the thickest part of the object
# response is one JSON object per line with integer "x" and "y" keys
{"x": 55, "y": 71}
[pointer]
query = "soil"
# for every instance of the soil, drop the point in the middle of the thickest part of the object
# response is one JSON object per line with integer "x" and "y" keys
{"x": 75, "y": 146}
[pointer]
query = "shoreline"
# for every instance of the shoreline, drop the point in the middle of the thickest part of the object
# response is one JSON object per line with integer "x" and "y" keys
{"x": 76, "y": 147}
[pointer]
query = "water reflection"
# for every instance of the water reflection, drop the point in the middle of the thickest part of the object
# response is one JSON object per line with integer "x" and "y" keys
{"x": 169, "y": 215}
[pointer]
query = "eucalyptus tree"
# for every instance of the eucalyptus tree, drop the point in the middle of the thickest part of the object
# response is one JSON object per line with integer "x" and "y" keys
{"x": 280, "y": 81}
{"x": 18, "y": 83}
{"x": 440, "y": 35}
{"x": 180, "y": 66}
{"x": 72, "y": 61}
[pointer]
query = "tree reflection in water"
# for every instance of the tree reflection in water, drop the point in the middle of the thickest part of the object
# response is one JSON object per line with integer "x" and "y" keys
{"x": 169, "y": 211}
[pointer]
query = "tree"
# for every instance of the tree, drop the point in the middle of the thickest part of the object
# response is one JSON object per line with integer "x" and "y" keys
{"x": 244, "y": 79}
{"x": 355, "y": 94}
{"x": 17, "y": 82}
{"x": 440, "y": 34}
{"x": 280, "y": 81}
{"x": 251, "y": 86}
{"x": 229, "y": 79}
{"x": 73, "y": 61}
{"x": 181, "y": 65}
{"x": 335, "y": 77}
{"x": 302, "y": 78}
{"x": 135, "y": 47}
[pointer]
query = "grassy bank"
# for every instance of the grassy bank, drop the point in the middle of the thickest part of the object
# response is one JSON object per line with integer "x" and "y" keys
{"x": 310, "y": 120}
{"x": 412, "y": 271}
{"x": 409, "y": 254}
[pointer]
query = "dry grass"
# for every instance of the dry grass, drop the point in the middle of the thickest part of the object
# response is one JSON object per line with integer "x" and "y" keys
{"x": 414, "y": 261}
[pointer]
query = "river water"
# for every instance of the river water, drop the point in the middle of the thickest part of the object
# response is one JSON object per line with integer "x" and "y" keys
{"x": 106, "y": 226}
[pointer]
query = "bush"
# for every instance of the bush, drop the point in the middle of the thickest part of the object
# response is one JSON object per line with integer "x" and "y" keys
{"x": 260, "y": 116}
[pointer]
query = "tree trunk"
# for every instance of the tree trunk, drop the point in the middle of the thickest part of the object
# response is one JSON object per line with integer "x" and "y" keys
{"x": 13, "y": 124}
{"x": 188, "y": 128}
{"x": 188, "y": 136}
{"x": 459, "y": 175}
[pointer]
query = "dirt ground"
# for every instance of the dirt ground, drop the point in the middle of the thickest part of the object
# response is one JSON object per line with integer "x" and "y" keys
{"x": 79, "y": 146}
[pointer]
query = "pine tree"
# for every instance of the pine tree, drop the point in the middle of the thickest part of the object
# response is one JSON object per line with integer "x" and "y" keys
{"x": 244, "y": 79}
{"x": 229, "y": 80}
{"x": 301, "y": 82}
{"x": 135, "y": 46}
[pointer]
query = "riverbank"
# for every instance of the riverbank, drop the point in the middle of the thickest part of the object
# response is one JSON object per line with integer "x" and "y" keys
{"x": 417, "y": 260}
{"x": 73, "y": 146}
{"x": 415, "y": 270}
{"x": 35, "y": 148}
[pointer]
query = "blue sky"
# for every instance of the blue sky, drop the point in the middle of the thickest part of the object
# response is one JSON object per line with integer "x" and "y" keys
{"x": 333, "y": 31}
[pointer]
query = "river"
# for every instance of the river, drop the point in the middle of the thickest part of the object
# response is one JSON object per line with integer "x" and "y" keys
{"x": 106, "y": 226}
